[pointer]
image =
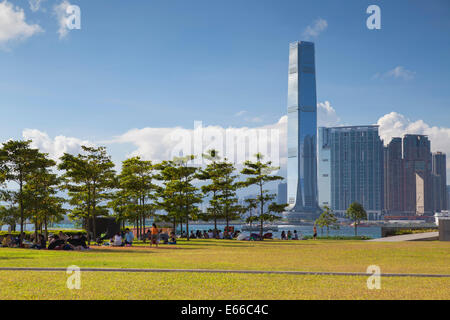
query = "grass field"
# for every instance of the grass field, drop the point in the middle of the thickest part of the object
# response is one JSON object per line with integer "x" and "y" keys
{"x": 333, "y": 256}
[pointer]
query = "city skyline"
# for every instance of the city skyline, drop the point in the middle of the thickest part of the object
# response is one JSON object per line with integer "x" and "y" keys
{"x": 51, "y": 81}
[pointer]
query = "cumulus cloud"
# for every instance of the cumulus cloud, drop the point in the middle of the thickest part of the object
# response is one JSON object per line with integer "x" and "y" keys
{"x": 398, "y": 72}
{"x": 56, "y": 146}
{"x": 313, "y": 31}
{"x": 326, "y": 115}
{"x": 13, "y": 25}
{"x": 164, "y": 143}
{"x": 237, "y": 144}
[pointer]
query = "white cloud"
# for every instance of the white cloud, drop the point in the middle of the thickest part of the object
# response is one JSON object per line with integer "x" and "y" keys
{"x": 398, "y": 72}
{"x": 35, "y": 4}
{"x": 60, "y": 11}
{"x": 313, "y": 31}
{"x": 326, "y": 115}
{"x": 13, "y": 26}
{"x": 55, "y": 147}
{"x": 161, "y": 143}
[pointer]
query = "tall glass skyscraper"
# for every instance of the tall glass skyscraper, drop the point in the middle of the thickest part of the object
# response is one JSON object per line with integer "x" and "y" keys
{"x": 302, "y": 131}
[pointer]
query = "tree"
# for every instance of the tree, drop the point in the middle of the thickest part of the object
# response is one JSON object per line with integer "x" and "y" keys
{"x": 17, "y": 161}
{"x": 260, "y": 173}
{"x": 136, "y": 184}
{"x": 222, "y": 187}
{"x": 211, "y": 172}
{"x": 40, "y": 194}
{"x": 356, "y": 213}
{"x": 88, "y": 177}
{"x": 228, "y": 187}
{"x": 178, "y": 196}
{"x": 327, "y": 219}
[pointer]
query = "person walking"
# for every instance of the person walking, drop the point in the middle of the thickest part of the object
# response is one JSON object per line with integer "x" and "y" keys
{"x": 155, "y": 233}
{"x": 315, "y": 232}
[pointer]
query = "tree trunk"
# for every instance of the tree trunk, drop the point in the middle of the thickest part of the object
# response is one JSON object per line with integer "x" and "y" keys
{"x": 262, "y": 210}
{"x": 355, "y": 229}
{"x": 187, "y": 228}
{"x": 21, "y": 209}
{"x": 45, "y": 226}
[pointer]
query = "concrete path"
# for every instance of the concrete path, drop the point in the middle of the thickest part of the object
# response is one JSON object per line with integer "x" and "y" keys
{"x": 426, "y": 236}
{"x": 229, "y": 271}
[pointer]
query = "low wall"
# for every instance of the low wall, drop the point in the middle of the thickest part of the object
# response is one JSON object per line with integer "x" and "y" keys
{"x": 444, "y": 229}
{"x": 390, "y": 231}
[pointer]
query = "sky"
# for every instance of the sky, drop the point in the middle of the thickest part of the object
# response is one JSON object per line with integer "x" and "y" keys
{"x": 136, "y": 70}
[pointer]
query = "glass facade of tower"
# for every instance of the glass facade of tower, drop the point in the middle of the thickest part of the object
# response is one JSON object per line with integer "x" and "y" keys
{"x": 302, "y": 129}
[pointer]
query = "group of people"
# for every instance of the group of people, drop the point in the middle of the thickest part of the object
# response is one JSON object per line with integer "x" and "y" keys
{"x": 210, "y": 234}
{"x": 154, "y": 235}
{"x": 58, "y": 241}
{"x": 290, "y": 236}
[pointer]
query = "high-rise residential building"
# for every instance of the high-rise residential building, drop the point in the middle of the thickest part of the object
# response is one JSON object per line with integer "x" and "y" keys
{"x": 302, "y": 130}
{"x": 357, "y": 169}
{"x": 418, "y": 181}
{"x": 393, "y": 177}
{"x": 324, "y": 167}
{"x": 440, "y": 191}
{"x": 448, "y": 198}
{"x": 282, "y": 193}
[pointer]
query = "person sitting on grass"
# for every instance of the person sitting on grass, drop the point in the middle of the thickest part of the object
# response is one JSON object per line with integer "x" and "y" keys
{"x": 192, "y": 236}
{"x": 210, "y": 234}
{"x": 78, "y": 242}
{"x": 8, "y": 241}
{"x": 155, "y": 233}
{"x": 289, "y": 235}
{"x": 147, "y": 235}
{"x": 117, "y": 240}
{"x": 129, "y": 237}
{"x": 173, "y": 239}
{"x": 295, "y": 235}
{"x": 283, "y": 235}
{"x": 39, "y": 243}
{"x": 205, "y": 235}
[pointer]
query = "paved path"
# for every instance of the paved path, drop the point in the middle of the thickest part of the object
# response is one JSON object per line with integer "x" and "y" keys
{"x": 229, "y": 271}
{"x": 410, "y": 237}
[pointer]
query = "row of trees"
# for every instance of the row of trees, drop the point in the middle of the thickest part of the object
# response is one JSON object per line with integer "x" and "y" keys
{"x": 93, "y": 188}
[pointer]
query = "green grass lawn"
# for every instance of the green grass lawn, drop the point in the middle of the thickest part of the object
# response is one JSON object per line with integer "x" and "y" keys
{"x": 320, "y": 255}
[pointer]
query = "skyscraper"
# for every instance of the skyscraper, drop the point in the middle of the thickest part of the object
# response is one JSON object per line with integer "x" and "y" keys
{"x": 440, "y": 170}
{"x": 282, "y": 193}
{"x": 394, "y": 178}
{"x": 357, "y": 169}
{"x": 417, "y": 175}
{"x": 302, "y": 130}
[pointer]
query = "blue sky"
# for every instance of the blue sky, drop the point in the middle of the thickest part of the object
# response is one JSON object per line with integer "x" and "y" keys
{"x": 141, "y": 63}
